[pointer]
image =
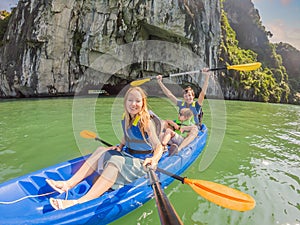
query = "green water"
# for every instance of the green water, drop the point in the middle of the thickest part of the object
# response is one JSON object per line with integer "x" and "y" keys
{"x": 259, "y": 154}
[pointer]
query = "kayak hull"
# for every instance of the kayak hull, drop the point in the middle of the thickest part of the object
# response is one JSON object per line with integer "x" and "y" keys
{"x": 103, "y": 210}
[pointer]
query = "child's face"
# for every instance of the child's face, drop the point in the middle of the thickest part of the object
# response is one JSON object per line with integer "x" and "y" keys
{"x": 188, "y": 97}
{"x": 181, "y": 117}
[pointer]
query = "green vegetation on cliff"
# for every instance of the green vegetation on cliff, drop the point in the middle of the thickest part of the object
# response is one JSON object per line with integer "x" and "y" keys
{"x": 269, "y": 83}
{"x": 4, "y": 18}
{"x": 290, "y": 59}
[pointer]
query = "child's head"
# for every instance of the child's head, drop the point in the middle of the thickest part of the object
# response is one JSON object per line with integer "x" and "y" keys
{"x": 188, "y": 95}
{"x": 189, "y": 90}
{"x": 185, "y": 114}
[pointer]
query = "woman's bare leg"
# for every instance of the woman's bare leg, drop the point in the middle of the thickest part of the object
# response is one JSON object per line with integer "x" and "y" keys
{"x": 88, "y": 167}
{"x": 102, "y": 184}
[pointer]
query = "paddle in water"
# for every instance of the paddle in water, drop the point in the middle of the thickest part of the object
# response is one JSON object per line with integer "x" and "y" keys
{"x": 166, "y": 211}
{"x": 217, "y": 193}
{"x": 241, "y": 67}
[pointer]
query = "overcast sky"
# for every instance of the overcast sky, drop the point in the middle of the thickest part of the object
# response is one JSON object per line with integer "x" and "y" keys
{"x": 7, "y": 4}
{"x": 281, "y": 17}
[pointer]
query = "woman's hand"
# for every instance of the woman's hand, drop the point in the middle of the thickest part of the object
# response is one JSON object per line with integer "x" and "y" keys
{"x": 117, "y": 148}
{"x": 150, "y": 162}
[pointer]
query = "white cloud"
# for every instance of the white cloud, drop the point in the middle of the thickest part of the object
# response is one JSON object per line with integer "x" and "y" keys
{"x": 285, "y": 2}
{"x": 283, "y": 32}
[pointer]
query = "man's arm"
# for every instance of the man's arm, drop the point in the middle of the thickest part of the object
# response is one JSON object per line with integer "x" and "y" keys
{"x": 166, "y": 91}
{"x": 202, "y": 94}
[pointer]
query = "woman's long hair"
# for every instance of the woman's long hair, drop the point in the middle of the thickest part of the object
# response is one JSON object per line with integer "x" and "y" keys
{"x": 144, "y": 114}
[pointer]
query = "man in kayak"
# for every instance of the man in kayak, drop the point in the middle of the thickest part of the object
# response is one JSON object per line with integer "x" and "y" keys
{"x": 178, "y": 129}
{"x": 188, "y": 102}
{"x": 115, "y": 166}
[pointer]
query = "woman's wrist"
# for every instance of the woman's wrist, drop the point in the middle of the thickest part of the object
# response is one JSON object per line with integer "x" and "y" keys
{"x": 120, "y": 146}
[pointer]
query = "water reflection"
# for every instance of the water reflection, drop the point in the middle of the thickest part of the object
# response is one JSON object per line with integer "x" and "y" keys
{"x": 276, "y": 166}
{"x": 259, "y": 156}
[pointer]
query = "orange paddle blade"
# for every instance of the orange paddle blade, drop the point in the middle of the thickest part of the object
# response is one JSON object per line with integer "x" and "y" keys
{"x": 88, "y": 134}
{"x": 222, "y": 195}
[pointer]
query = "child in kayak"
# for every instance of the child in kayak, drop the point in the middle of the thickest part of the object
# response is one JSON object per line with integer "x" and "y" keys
{"x": 177, "y": 130}
{"x": 190, "y": 102}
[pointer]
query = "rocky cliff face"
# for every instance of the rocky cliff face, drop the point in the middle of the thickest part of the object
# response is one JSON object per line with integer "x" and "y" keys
{"x": 250, "y": 34}
{"x": 52, "y": 46}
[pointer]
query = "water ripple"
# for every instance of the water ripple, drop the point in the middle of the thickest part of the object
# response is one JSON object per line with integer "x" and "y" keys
{"x": 7, "y": 152}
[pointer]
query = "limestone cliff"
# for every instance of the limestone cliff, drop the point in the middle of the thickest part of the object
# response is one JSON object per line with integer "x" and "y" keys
{"x": 52, "y": 46}
{"x": 270, "y": 84}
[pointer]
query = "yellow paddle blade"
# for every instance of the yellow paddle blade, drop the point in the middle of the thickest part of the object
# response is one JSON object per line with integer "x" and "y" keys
{"x": 245, "y": 67}
{"x": 88, "y": 134}
{"x": 139, "y": 82}
{"x": 222, "y": 195}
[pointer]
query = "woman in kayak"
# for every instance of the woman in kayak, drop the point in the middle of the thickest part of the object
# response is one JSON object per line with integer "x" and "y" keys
{"x": 116, "y": 167}
{"x": 188, "y": 102}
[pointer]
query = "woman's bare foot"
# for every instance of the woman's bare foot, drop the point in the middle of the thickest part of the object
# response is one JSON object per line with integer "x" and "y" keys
{"x": 59, "y": 186}
{"x": 59, "y": 204}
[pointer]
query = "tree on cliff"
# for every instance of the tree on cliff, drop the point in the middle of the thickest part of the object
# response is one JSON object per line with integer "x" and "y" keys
{"x": 4, "y": 18}
{"x": 242, "y": 23}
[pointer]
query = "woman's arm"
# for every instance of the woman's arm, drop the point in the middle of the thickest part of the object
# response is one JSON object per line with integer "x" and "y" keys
{"x": 156, "y": 145}
{"x": 121, "y": 145}
{"x": 166, "y": 91}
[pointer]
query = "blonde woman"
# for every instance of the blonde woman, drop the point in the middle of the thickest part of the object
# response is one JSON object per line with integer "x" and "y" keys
{"x": 117, "y": 168}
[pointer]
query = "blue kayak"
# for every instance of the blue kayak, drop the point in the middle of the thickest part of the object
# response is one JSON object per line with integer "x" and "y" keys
{"x": 25, "y": 200}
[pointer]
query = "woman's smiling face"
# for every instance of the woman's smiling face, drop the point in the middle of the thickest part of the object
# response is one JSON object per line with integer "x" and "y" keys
{"x": 134, "y": 102}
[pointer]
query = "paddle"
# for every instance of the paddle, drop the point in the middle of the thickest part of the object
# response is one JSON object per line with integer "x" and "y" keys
{"x": 167, "y": 213}
{"x": 241, "y": 67}
{"x": 217, "y": 193}
{"x": 92, "y": 135}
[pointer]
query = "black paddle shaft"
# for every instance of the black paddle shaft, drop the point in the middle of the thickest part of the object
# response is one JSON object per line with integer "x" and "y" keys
{"x": 158, "y": 169}
{"x": 167, "y": 213}
{"x": 171, "y": 175}
{"x": 220, "y": 68}
{"x": 104, "y": 142}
